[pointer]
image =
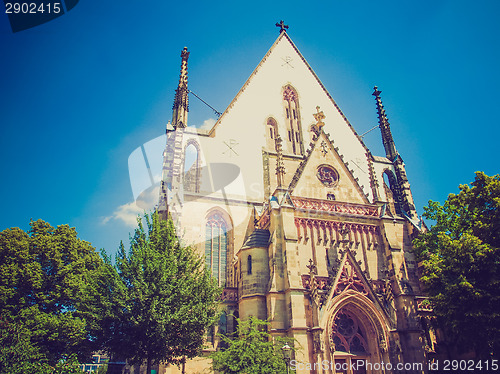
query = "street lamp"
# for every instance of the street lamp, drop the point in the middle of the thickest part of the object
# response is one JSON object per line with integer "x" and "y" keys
{"x": 286, "y": 354}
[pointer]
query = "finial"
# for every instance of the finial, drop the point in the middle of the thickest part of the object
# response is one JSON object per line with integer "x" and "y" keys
{"x": 318, "y": 116}
{"x": 385, "y": 128}
{"x": 185, "y": 54}
{"x": 280, "y": 165}
{"x": 282, "y": 26}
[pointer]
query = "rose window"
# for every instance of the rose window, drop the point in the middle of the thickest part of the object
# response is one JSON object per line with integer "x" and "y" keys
{"x": 347, "y": 335}
{"x": 327, "y": 175}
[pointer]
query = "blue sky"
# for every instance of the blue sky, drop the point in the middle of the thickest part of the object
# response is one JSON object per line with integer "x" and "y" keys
{"x": 80, "y": 93}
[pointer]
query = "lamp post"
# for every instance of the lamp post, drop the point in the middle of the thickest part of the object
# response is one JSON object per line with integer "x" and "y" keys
{"x": 286, "y": 354}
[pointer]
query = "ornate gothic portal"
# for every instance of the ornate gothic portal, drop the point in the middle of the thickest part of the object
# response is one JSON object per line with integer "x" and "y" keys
{"x": 290, "y": 210}
{"x": 355, "y": 340}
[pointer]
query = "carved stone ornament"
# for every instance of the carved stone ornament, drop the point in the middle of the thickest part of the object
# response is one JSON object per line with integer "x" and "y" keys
{"x": 319, "y": 345}
{"x": 382, "y": 344}
{"x": 327, "y": 175}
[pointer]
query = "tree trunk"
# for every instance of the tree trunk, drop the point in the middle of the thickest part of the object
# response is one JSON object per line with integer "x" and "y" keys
{"x": 148, "y": 367}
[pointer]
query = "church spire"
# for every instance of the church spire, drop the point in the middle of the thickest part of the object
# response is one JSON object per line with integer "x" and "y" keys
{"x": 385, "y": 128}
{"x": 401, "y": 187}
{"x": 181, "y": 101}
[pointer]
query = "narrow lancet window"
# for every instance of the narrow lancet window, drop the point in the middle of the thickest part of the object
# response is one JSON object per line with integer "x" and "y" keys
{"x": 249, "y": 265}
{"x": 272, "y": 127}
{"x": 294, "y": 128}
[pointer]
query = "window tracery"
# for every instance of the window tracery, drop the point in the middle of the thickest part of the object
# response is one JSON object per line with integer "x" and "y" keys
{"x": 216, "y": 246}
{"x": 327, "y": 175}
{"x": 293, "y": 125}
{"x": 347, "y": 334}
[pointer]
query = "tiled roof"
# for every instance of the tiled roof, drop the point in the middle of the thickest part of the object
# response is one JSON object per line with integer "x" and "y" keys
{"x": 258, "y": 238}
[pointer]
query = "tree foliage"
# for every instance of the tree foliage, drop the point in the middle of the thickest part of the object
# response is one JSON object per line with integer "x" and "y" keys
{"x": 460, "y": 257}
{"x": 43, "y": 274}
{"x": 166, "y": 298}
{"x": 251, "y": 351}
{"x": 17, "y": 354}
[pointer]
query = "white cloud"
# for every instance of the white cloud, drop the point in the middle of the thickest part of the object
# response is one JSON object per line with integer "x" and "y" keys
{"x": 208, "y": 124}
{"x": 157, "y": 177}
{"x": 127, "y": 213}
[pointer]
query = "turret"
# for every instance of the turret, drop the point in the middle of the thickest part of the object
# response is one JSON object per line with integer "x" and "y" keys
{"x": 254, "y": 276}
{"x": 171, "y": 184}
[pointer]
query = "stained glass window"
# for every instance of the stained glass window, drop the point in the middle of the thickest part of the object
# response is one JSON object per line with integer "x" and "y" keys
{"x": 327, "y": 175}
{"x": 291, "y": 104}
{"x": 347, "y": 335}
{"x": 216, "y": 246}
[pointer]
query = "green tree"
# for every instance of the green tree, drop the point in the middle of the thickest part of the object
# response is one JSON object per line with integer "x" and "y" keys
{"x": 251, "y": 351}
{"x": 43, "y": 274}
{"x": 17, "y": 354}
{"x": 460, "y": 258}
{"x": 167, "y": 298}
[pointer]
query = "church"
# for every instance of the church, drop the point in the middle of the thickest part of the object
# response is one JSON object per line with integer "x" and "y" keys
{"x": 298, "y": 221}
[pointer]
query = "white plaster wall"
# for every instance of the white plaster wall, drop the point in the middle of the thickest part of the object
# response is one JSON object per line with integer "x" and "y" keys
{"x": 244, "y": 122}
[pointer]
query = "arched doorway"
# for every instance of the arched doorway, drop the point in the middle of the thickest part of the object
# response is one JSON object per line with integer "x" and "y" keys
{"x": 355, "y": 337}
{"x": 348, "y": 343}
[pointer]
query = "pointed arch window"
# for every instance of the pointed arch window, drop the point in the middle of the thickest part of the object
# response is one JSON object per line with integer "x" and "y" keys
{"x": 271, "y": 131}
{"x": 293, "y": 125}
{"x": 216, "y": 247}
{"x": 192, "y": 167}
{"x": 271, "y": 124}
{"x": 348, "y": 342}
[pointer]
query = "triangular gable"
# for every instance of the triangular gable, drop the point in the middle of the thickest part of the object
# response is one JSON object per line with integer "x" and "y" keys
{"x": 286, "y": 201}
{"x": 308, "y": 181}
{"x": 245, "y": 85}
{"x": 285, "y": 36}
{"x": 350, "y": 278}
{"x": 241, "y": 132}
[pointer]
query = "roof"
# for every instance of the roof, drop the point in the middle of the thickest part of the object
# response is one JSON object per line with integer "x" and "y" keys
{"x": 258, "y": 238}
{"x": 383, "y": 160}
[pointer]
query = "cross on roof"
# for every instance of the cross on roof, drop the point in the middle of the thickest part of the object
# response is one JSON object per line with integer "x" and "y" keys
{"x": 282, "y": 26}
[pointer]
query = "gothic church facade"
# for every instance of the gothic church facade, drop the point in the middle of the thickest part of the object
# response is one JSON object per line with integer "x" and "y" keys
{"x": 298, "y": 221}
